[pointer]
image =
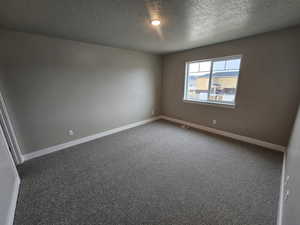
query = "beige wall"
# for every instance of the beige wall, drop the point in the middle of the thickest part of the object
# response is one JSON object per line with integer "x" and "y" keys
{"x": 268, "y": 90}
{"x": 53, "y": 85}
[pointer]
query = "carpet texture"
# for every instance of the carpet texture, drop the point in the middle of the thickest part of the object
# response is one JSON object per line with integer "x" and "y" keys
{"x": 156, "y": 174}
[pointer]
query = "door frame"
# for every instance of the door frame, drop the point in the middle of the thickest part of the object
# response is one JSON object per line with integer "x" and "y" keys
{"x": 9, "y": 133}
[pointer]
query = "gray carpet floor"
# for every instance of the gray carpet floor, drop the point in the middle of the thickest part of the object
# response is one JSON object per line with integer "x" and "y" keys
{"x": 156, "y": 174}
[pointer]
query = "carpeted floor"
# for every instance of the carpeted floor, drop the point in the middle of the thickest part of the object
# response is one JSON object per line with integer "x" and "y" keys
{"x": 156, "y": 174}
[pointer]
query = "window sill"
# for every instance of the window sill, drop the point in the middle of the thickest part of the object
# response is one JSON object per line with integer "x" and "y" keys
{"x": 224, "y": 105}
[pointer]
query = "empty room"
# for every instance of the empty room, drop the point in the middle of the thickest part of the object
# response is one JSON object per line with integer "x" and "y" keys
{"x": 150, "y": 112}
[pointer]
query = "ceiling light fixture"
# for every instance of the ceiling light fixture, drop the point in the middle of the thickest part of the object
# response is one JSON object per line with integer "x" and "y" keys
{"x": 155, "y": 22}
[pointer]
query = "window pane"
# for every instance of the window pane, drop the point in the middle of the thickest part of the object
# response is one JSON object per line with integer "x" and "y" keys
{"x": 233, "y": 64}
{"x": 222, "y": 79}
{"x": 194, "y": 67}
{"x": 219, "y": 65}
{"x": 223, "y": 86}
{"x": 205, "y": 66}
{"x": 197, "y": 82}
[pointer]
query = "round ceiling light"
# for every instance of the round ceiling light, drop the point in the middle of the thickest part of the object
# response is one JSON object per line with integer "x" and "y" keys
{"x": 155, "y": 22}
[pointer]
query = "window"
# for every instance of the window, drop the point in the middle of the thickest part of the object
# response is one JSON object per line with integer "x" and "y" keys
{"x": 212, "y": 81}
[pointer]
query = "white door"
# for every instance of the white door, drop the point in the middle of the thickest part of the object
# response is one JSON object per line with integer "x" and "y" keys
{"x": 9, "y": 183}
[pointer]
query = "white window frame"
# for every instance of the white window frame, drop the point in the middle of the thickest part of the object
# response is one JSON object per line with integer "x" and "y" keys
{"x": 210, "y": 102}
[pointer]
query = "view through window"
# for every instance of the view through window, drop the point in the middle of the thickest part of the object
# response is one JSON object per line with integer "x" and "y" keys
{"x": 213, "y": 81}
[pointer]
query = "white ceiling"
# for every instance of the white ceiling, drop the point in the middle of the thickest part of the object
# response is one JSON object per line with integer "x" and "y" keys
{"x": 125, "y": 23}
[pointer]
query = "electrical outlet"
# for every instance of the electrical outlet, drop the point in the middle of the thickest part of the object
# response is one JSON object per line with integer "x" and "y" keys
{"x": 214, "y": 122}
{"x": 152, "y": 112}
{"x": 70, "y": 132}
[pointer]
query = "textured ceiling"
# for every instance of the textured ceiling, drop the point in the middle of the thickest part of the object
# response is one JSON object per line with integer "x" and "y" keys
{"x": 125, "y": 23}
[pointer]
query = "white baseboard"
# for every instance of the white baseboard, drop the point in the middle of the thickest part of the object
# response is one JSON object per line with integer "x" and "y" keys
{"x": 228, "y": 134}
{"x": 281, "y": 195}
{"x": 13, "y": 204}
{"x": 59, "y": 147}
